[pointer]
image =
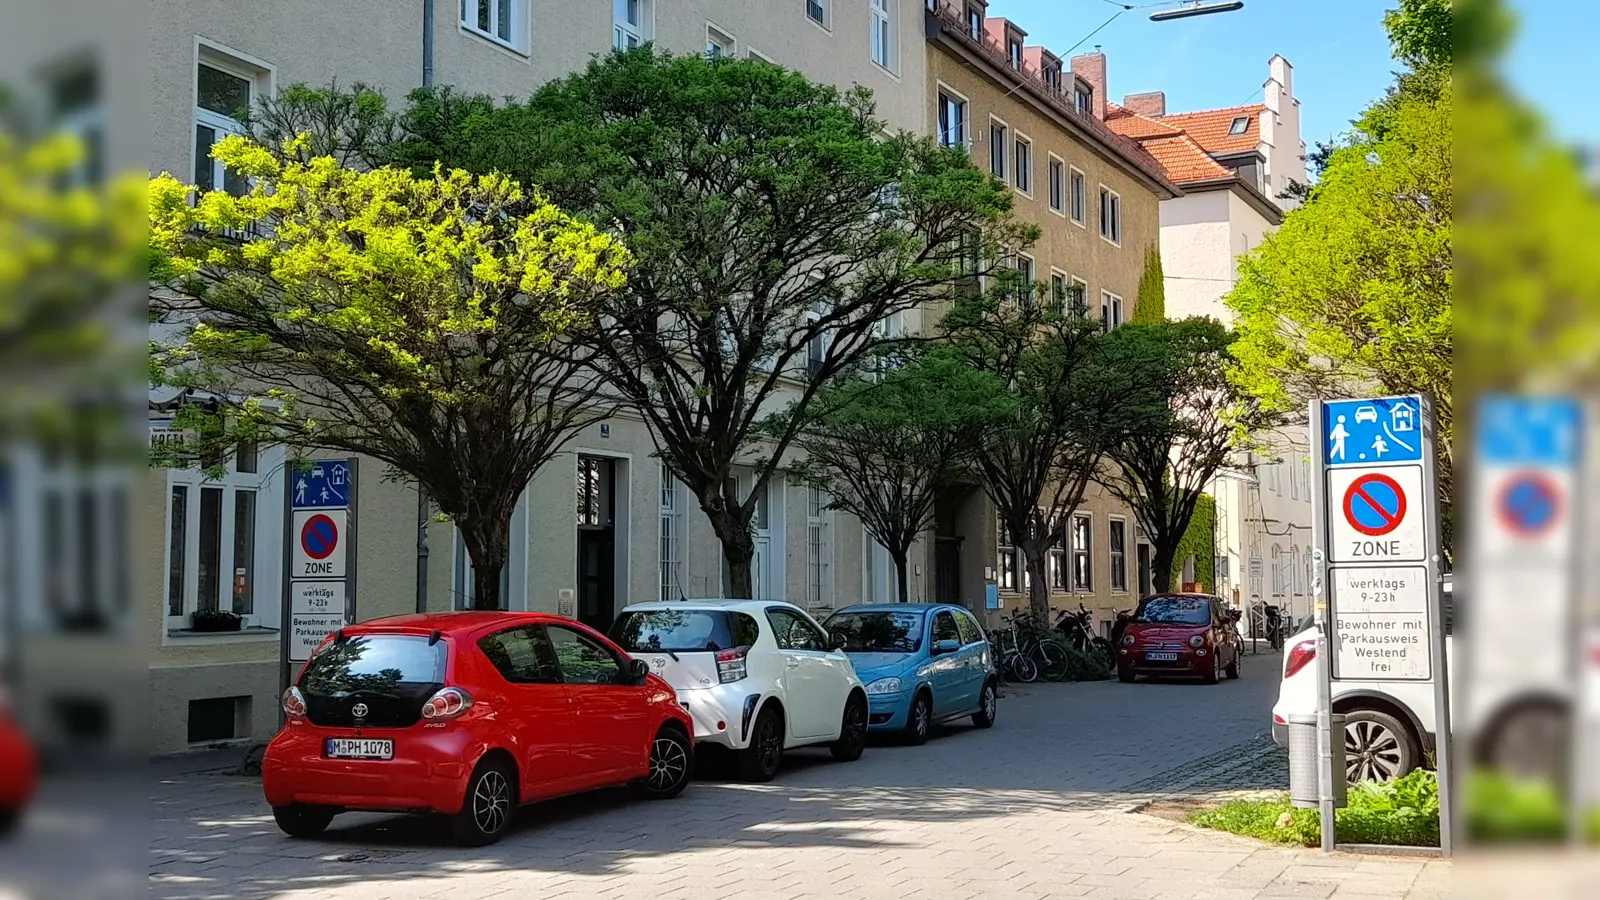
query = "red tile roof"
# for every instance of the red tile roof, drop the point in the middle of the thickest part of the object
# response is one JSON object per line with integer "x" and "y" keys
{"x": 1133, "y": 125}
{"x": 1184, "y": 159}
{"x": 1210, "y": 128}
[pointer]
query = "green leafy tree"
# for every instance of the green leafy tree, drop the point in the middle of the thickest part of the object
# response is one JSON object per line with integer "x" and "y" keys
{"x": 419, "y": 321}
{"x": 775, "y": 228}
{"x": 1354, "y": 293}
{"x": 1069, "y": 399}
{"x": 1151, "y": 307}
{"x": 881, "y": 448}
{"x": 1189, "y": 420}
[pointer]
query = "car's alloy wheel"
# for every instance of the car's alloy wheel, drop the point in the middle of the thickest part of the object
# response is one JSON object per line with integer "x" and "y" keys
{"x": 988, "y": 706}
{"x": 1372, "y": 752}
{"x": 760, "y": 760}
{"x": 919, "y": 722}
{"x": 852, "y": 740}
{"x": 669, "y": 765}
{"x": 486, "y": 811}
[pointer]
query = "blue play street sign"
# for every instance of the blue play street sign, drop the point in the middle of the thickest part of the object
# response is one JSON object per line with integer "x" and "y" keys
{"x": 1372, "y": 432}
{"x": 321, "y": 484}
{"x": 1536, "y": 431}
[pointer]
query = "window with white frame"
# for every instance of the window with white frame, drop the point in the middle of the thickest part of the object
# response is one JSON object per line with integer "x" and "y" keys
{"x": 1078, "y": 297}
{"x": 504, "y": 22}
{"x": 1080, "y": 197}
{"x": 632, "y": 24}
{"x": 882, "y": 33}
{"x": 1278, "y": 569}
{"x": 69, "y": 570}
{"x": 1006, "y": 560}
{"x": 1117, "y": 540}
{"x": 1025, "y": 280}
{"x": 1023, "y": 158}
{"x": 1110, "y": 215}
{"x": 1110, "y": 310}
{"x": 1084, "y": 100}
{"x": 719, "y": 45}
{"x": 1058, "y": 291}
{"x": 817, "y": 550}
{"x": 997, "y": 148}
{"x": 820, "y": 12}
{"x": 952, "y": 119}
{"x": 1058, "y": 185}
{"x": 76, "y": 109}
{"x": 1082, "y": 562}
{"x": 1056, "y": 561}
{"x": 1014, "y": 53}
{"x": 671, "y": 535}
{"x": 224, "y": 537}
{"x": 225, "y": 89}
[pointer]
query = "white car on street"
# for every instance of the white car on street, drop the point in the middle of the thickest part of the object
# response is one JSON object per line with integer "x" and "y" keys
{"x": 1516, "y": 716}
{"x": 757, "y": 676}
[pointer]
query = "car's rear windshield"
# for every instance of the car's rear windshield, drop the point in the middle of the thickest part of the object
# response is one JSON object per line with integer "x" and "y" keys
{"x": 376, "y": 663}
{"x": 878, "y": 632}
{"x": 1176, "y": 611}
{"x": 684, "y": 630}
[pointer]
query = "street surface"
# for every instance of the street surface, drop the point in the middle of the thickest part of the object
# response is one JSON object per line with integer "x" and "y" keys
{"x": 1039, "y": 806}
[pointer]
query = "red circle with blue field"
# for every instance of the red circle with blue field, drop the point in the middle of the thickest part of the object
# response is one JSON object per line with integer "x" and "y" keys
{"x": 1529, "y": 504}
{"x": 1374, "y": 504}
{"x": 319, "y": 537}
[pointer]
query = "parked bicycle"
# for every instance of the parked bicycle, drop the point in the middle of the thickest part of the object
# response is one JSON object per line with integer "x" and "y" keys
{"x": 1009, "y": 660}
{"x": 1039, "y": 644}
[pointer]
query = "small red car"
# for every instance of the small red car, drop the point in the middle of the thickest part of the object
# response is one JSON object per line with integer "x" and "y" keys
{"x": 470, "y": 714}
{"x": 19, "y": 770}
{"x": 1185, "y": 635}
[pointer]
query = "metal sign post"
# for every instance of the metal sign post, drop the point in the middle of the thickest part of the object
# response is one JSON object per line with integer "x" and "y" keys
{"x": 1376, "y": 541}
{"x": 319, "y": 535}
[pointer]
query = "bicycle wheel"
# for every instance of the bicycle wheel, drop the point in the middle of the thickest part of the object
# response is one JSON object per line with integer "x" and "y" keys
{"x": 1024, "y": 669}
{"x": 1053, "y": 662}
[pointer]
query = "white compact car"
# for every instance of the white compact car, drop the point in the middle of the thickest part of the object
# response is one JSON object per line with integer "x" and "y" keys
{"x": 1515, "y": 715}
{"x": 757, "y": 676}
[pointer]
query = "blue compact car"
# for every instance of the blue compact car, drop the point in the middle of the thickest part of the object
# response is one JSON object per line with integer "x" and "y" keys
{"x": 922, "y": 663}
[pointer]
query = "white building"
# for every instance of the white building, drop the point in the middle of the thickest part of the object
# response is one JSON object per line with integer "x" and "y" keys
{"x": 1235, "y": 166}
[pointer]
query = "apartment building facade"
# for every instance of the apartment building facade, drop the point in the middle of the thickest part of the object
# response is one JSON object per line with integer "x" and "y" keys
{"x": 602, "y": 525}
{"x": 1236, "y": 166}
{"x": 1038, "y": 123}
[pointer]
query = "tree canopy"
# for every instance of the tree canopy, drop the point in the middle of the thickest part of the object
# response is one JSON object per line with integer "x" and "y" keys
{"x": 419, "y": 321}
{"x": 777, "y": 232}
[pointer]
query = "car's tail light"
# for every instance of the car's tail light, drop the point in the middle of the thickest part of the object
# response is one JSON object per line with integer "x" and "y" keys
{"x": 294, "y": 702}
{"x": 1300, "y": 655}
{"x": 447, "y": 703}
{"x": 731, "y": 664}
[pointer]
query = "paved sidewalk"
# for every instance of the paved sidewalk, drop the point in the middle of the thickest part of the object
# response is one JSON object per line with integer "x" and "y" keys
{"x": 1036, "y": 807}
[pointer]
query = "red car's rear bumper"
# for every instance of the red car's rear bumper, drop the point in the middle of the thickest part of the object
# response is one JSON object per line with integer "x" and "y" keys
{"x": 429, "y": 770}
{"x": 19, "y": 768}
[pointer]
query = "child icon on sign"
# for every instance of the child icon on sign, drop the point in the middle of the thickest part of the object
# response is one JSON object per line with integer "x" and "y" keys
{"x": 1379, "y": 446}
{"x": 1339, "y": 434}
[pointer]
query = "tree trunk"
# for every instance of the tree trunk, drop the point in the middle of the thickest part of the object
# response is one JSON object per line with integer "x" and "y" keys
{"x": 488, "y": 540}
{"x": 1033, "y": 556}
{"x": 738, "y": 554}
{"x": 1161, "y": 560}
{"x": 903, "y": 588}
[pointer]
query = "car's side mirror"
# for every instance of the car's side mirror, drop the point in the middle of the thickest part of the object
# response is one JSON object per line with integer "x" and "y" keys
{"x": 836, "y": 640}
{"x": 639, "y": 670}
{"x": 942, "y": 647}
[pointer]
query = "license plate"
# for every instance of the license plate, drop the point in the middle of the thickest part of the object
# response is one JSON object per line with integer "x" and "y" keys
{"x": 1161, "y": 657}
{"x": 360, "y": 748}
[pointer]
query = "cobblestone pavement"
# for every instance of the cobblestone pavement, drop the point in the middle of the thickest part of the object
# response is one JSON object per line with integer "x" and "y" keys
{"x": 1036, "y": 807}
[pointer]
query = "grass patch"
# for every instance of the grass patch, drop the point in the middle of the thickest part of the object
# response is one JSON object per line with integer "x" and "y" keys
{"x": 1502, "y": 809}
{"x": 1401, "y": 813}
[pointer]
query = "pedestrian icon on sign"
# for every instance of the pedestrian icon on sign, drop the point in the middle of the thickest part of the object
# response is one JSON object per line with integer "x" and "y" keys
{"x": 1339, "y": 433}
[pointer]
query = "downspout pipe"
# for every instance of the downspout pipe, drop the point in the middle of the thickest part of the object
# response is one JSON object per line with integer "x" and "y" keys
{"x": 427, "y": 43}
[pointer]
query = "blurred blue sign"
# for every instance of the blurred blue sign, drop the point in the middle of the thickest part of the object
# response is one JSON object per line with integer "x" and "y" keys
{"x": 1540, "y": 431}
{"x": 321, "y": 484}
{"x": 1372, "y": 432}
{"x": 991, "y": 596}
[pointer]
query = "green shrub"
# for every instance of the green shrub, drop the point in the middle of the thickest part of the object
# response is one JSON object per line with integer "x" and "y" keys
{"x": 1093, "y": 664}
{"x": 1403, "y": 812}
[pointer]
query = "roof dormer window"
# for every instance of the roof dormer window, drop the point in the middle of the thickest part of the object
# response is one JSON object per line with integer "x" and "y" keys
{"x": 1240, "y": 125}
{"x": 1014, "y": 51}
{"x": 975, "y": 21}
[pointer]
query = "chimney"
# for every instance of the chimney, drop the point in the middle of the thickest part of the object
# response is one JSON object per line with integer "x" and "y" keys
{"x": 1091, "y": 67}
{"x": 1150, "y": 103}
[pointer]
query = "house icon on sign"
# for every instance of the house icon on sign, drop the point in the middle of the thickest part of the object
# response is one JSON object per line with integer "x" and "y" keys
{"x": 1403, "y": 418}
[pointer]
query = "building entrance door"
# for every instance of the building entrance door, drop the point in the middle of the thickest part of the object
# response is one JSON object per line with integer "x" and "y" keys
{"x": 597, "y": 544}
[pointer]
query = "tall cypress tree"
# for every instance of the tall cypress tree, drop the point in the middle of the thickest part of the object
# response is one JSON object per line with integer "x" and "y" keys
{"x": 1151, "y": 307}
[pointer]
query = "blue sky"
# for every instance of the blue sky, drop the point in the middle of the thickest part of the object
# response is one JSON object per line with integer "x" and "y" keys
{"x": 1338, "y": 48}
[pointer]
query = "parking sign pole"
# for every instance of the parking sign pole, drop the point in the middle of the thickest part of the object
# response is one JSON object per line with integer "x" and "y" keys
{"x": 1320, "y": 502}
{"x": 1443, "y": 744}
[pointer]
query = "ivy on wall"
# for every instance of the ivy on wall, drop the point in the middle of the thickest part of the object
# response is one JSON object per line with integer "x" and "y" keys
{"x": 1200, "y": 542}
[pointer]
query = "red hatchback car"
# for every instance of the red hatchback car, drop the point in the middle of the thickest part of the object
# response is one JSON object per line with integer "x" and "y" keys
{"x": 1185, "y": 635}
{"x": 469, "y": 714}
{"x": 19, "y": 770}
